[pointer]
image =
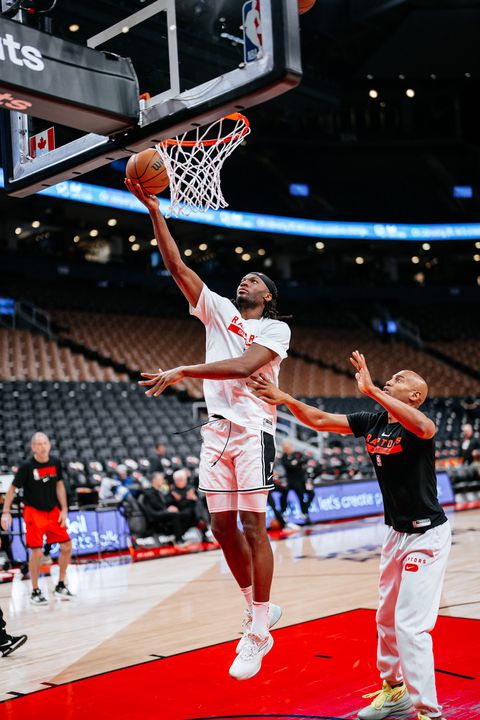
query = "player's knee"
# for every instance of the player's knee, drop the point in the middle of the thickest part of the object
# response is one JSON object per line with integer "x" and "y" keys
{"x": 404, "y": 632}
{"x": 253, "y": 529}
{"x": 220, "y": 530}
{"x": 66, "y": 547}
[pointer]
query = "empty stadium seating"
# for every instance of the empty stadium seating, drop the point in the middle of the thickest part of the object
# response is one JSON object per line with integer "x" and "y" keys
{"x": 25, "y": 355}
{"x": 148, "y": 343}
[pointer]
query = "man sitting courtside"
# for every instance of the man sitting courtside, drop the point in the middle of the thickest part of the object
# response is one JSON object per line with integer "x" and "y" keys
{"x": 160, "y": 511}
{"x": 186, "y": 499}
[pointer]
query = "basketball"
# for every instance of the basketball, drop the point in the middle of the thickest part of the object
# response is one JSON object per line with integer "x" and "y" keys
{"x": 305, "y": 5}
{"x": 147, "y": 169}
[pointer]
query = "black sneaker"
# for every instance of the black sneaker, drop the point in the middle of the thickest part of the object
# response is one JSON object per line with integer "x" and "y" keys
{"x": 11, "y": 644}
{"x": 37, "y": 597}
{"x": 62, "y": 592}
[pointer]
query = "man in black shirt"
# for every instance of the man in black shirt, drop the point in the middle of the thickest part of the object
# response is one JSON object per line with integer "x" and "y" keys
{"x": 295, "y": 465}
{"x": 400, "y": 442}
{"x": 160, "y": 511}
{"x": 468, "y": 444}
{"x": 45, "y": 513}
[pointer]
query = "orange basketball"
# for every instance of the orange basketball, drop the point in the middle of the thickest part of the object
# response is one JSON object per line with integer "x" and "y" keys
{"x": 305, "y": 5}
{"x": 147, "y": 169}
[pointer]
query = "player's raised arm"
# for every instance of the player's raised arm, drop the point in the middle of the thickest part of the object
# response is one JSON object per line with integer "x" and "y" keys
{"x": 414, "y": 390}
{"x": 187, "y": 280}
{"x": 308, "y": 415}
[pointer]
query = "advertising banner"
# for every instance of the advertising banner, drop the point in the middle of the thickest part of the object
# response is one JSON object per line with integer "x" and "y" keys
{"x": 92, "y": 531}
{"x": 349, "y": 500}
{"x": 64, "y": 82}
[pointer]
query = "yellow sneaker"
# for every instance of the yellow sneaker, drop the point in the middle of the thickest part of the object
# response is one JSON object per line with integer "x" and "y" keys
{"x": 422, "y": 716}
{"x": 388, "y": 702}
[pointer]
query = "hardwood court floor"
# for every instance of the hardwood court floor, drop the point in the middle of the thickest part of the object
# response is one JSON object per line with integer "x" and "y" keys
{"x": 127, "y": 615}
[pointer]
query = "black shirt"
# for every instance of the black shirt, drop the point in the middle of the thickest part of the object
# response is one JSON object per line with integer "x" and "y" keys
{"x": 467, "y": 449}
{"x": 39, "y": 483}
{"x": 295, "y": 466}
{"x": 405, "y": 469}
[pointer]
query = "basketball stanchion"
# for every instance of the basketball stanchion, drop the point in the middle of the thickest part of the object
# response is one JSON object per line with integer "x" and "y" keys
{"x": 194, "y": 160}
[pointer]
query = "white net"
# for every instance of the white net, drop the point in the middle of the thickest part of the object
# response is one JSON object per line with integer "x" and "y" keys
{"x": 194, "y": 160}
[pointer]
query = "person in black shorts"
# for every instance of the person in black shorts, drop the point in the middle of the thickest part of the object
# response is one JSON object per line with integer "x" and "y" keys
{"x": 45, "y": 513}
{"x": 9, "y": 643}
{"x": 401, "y": 445}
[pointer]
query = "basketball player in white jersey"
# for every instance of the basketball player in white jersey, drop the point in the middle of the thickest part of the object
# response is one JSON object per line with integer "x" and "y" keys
{"x": 238, "y": 450}
{"x": 401, "y": 443}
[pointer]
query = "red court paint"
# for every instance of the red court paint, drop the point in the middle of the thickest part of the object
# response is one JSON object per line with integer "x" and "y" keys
{"x": 318, "y": 669}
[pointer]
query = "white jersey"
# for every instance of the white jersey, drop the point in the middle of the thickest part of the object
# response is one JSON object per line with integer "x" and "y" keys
{"x": 228, "y": 336}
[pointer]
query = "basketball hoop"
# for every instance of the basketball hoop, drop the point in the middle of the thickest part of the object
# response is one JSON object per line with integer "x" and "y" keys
{"x": 194, "y": 161}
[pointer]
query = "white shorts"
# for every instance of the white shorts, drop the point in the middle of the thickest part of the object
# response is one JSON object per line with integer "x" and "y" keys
{"x": 235, "y": 459}
{"x": 249, "y": 502}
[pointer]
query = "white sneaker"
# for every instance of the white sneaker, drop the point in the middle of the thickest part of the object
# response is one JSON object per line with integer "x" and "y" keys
{"x": 249, "y": 660}
{"x": 38, "y": 598}
{"x": 274, "y": 615}
{"x": 209, "y": 536}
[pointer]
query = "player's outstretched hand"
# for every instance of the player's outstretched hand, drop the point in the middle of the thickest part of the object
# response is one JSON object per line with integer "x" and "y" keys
{"x": 362, "y": 376}
{"x": 265, "y": 390}
{"x": 150, "y": 201}
{"x": 157, "y": 382}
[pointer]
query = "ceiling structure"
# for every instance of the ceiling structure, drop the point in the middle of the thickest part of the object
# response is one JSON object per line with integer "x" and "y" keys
{"x": 382, "y": 127}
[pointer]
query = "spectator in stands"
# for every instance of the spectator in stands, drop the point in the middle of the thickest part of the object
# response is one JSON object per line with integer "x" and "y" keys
{"x": 401, "y": 445}
{"x": 468, "y": 445}
{"x": 128, "y": 483}
{"x": 161, "y": 512}
{"x": 123, "y": 484}
{"x": 295, "y": 465}
{"x": 45, "y": 513}
{"x": 9, "y": 643}
{"x": 185, "y": 498}
{"x": 160, "y": 462}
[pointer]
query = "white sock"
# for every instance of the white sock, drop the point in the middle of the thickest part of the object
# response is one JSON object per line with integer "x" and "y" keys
{"x": 248, "y": 595}
{"x": 260, "y": 618}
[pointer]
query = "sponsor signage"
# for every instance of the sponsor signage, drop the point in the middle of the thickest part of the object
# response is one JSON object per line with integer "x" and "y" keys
{"x": 65, "y": 82}
{"x": 114, "y": 198}
{"x": 350, "y": 500}
{"x": 91, "y": 532}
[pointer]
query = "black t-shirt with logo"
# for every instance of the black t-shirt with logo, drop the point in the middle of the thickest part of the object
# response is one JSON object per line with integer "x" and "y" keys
{"x": 405, "y": 469}
{"x": 39, "y": 483}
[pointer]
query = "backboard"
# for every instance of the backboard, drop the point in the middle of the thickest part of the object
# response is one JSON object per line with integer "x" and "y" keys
{"x": 196, "y": 61}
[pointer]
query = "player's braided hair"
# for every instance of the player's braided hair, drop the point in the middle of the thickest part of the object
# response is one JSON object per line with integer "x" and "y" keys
{"x": 270, "y": 310}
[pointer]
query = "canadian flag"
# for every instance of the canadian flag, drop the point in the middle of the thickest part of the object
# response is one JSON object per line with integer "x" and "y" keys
{"x": 42, "y": 143}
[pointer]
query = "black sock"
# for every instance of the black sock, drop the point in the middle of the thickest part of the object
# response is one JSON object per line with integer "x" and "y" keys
{"x": 60, "y": 584}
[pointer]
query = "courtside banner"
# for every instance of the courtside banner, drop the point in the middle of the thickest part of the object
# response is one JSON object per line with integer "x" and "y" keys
{"x": 349, "y": 500}
{"x": 64, "y": 82}
{"x": 104, "y": 530}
